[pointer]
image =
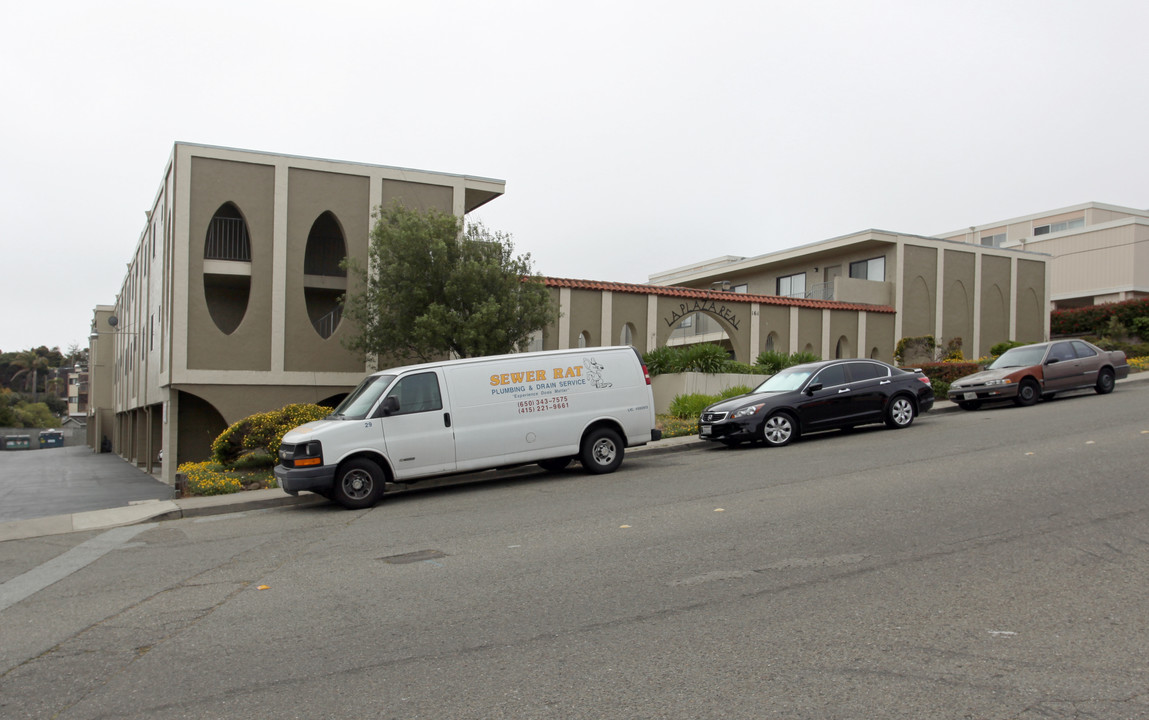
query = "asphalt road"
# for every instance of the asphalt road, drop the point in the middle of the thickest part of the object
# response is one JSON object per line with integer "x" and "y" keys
{"x": 977, "y": 565}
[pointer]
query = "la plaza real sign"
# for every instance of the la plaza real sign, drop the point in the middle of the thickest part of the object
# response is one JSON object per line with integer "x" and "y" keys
{"x": 707, "y": 306}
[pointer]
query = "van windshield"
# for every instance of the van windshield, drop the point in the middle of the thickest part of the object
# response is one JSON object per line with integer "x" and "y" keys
{"x": 358, "y": 404}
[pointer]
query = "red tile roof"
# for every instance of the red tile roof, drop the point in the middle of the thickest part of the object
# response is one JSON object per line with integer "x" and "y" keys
{"x": 696, "y": 293}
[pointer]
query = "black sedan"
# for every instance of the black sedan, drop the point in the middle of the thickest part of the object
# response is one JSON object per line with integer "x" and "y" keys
{"x": 819, "y": 396}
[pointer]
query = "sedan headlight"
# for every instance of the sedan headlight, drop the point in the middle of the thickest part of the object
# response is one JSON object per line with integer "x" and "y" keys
{"x": 999, "y": 381}
{"x": 746, "y": 411}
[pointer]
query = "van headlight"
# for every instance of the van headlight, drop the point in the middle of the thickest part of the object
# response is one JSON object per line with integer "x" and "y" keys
{"x": 306, "y": 454}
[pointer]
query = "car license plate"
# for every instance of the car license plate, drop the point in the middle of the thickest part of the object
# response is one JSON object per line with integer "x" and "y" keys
{"x": 970, "y": 396}
{"x": 703, "y": 431}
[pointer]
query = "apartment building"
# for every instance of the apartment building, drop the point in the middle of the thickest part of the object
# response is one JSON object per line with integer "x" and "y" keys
{"x": 229, "y": 304}
{"x": 1100, "y": 253}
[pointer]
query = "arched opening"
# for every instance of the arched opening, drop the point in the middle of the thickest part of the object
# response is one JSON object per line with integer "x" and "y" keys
{"x": 772, "y": 342}
{"x": 583, "y": 339}
{"x": 227, "y": 268}
{"x": 808, "y": 349}
{"x": 842, "y": 349}
{"x": 874, "y": 355}
{"x": 626, "y": 336}
{"x": 324, "y": 280}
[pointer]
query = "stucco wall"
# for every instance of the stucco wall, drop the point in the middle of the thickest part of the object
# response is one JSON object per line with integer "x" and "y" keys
{"x": 251, "y": 187}
{"x": 919, "y": 291}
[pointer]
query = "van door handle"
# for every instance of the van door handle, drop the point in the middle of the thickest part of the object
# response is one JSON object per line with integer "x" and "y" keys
{"x": 843, "y": 390}
{"x": 446, "y": 419}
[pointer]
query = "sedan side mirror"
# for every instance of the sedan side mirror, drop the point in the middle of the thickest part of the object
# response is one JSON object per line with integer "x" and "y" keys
{"x": 1050, "y": 361}
{"x": 813, "y": 388}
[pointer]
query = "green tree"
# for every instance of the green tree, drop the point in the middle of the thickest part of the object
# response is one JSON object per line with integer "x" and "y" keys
{"x": 432, "y": 287}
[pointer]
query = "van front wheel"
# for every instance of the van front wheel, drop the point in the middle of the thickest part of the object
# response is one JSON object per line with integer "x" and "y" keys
{"x": 358, "y": 484}
{"x": 601, "y": 451}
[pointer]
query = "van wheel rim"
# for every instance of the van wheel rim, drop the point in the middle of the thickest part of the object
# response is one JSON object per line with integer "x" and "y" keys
{"x": 357, "y": 484}
{"x": 604, "y": 452}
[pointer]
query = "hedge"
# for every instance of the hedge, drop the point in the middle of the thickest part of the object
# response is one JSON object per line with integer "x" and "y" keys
{"x": 1095, "y": 318}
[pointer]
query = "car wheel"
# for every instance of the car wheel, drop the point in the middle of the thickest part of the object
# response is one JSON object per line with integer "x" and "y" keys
{"x": 1104, "y": 382}
{"x": 779, "y": 429}
{"x": 1027, "y": 393}
{"x": 969, "y": 404}
{"x": 358, "y": 484}
{"x": 900, "y": 412}
{"x": 555, "y": 464}
{"x": 601, "y": 451}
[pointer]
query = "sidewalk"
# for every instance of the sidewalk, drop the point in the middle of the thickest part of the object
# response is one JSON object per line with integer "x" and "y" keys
{"x": 155, "y": 510}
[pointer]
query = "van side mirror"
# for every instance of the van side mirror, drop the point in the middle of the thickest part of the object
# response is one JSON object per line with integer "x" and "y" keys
{"x": 813, "y": 388}
{"x": 390, "y": 405}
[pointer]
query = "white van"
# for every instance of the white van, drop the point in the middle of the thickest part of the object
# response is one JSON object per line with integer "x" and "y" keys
{"x": 409, "y": 423}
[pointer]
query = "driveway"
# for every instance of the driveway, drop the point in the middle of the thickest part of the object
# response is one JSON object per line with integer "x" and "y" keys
{"x": 55, "y": 481}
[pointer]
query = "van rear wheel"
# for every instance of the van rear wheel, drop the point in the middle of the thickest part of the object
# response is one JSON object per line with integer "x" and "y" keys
{"x": 601, "y": 451}
{"x": 358, "y": 484}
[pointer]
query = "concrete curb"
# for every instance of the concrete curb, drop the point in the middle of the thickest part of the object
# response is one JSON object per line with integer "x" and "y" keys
{"x": 157, "y": 510}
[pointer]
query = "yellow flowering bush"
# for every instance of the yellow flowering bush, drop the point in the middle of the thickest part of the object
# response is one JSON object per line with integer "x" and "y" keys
{"x": 1139, "y": 363}
{"x": 263, "y": 431}
{"x": 206, "y": 478}
{"x": 211, "y": 478}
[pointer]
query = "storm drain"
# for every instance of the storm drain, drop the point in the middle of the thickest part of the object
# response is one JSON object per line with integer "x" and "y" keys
{"x": 414, "y": 557}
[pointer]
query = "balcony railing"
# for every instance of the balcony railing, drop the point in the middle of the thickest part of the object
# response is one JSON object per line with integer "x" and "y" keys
{"x": 227, "y": 240}
{"x": 326, "y": 325}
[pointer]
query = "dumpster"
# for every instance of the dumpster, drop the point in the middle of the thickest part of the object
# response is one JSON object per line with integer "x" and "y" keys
{"x": 17, "y": 442}
{"x": 51, "y": 438}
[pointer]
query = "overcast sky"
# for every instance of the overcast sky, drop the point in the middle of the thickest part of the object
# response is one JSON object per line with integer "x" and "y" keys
{"x": 634, "y": 137}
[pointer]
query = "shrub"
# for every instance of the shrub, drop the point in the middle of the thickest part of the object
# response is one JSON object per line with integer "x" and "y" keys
{"x": 661, "y": 360}
{"x": 734, "y": 391}
{"x": 947, "y": 372}
{"x": 909, "y": 348}
{"x": 690, "y": 406}
{"x": 1140, "y": 327}
{"x": 1001, "y": 347}
{"x": 1093, "y": 319}
{"x": 206, "y": 478}
{"x": 941, "y": 389}
{"x": 704, "y": 358}
{"x": 771, "y": 361}
{"x": 953, "y": 350}
{"x": 800, "y": 358}
{"x": 263, "y": 431}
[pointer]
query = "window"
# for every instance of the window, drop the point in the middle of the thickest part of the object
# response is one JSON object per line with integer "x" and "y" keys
{"x": 626, "y": 337}
{"x": 1061, "y": 352}
{"x": 1083, "y": 350}
{"x": 872, "y": 269}
{"x": 831, "y": 376}
{"x": 1059, "y": 226}
{"x": 417, "y": 393}
{"x": 743, "y": 288}
{"x": 583, "y": 339}
{"x": 993, "y": 240}
{"x": 867, "y": 371}
{"x": 792, "y": 285}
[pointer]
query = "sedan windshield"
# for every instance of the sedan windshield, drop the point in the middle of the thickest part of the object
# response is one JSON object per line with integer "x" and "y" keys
{"x": 358, "y": 404}
{"x": 788, "y": 380}
{"x": 1019, "y": 357}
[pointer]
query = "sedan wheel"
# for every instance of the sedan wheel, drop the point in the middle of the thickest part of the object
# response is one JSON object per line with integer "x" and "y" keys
{"x": 778, "y": 430}
{"x": 1027, "y": 393}
{"x": 1104, "y": 382}
{"x": 900, "y": 412}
